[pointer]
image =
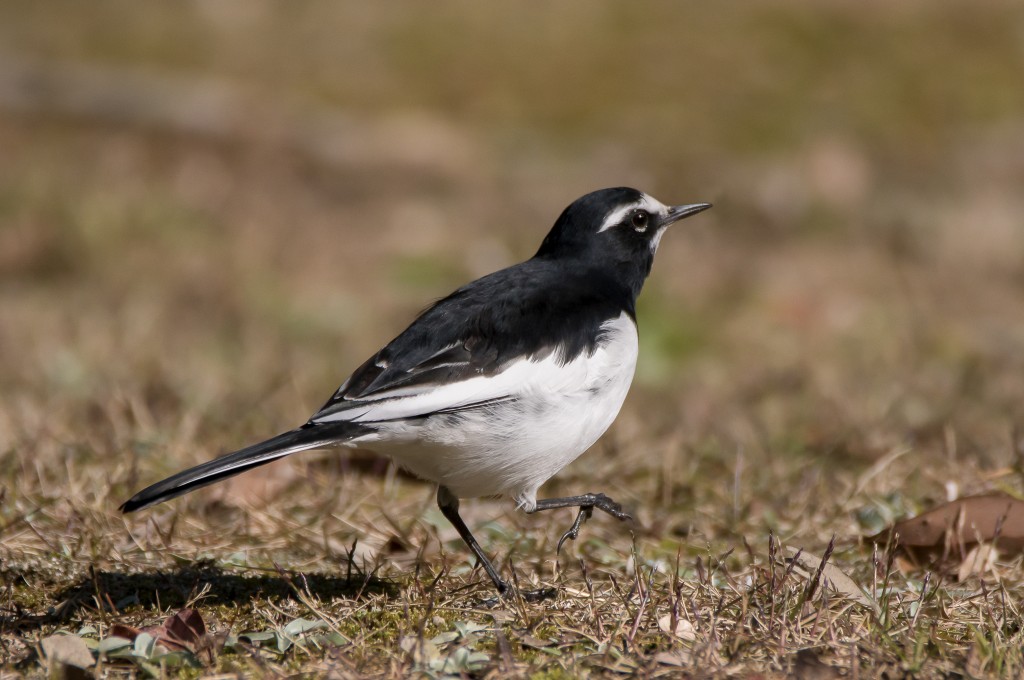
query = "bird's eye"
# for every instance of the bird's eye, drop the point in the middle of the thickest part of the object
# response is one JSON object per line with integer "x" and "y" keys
{"x": 640, "y": 219}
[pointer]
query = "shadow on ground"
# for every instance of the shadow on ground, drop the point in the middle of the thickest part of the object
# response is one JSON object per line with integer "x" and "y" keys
{"x": 116, "y": 591}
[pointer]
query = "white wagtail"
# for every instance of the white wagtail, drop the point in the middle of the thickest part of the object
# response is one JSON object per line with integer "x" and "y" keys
{"x": 498, "y": 386}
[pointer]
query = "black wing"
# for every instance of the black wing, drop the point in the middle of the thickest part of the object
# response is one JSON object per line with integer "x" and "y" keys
{"x": 530, "y": 310}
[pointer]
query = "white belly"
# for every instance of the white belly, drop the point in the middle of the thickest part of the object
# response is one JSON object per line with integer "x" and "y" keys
{"x": 513, "y": 447}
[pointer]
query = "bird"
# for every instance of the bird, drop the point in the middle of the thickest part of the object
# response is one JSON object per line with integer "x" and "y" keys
{"x": 495, "y": 388}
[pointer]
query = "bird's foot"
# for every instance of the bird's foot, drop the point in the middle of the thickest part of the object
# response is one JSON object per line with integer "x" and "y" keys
{"x": 594, "y": 500}
{"x": 602, "y": 502}
{"x": 508, "y": 593}
{"x": 538, "y": 594}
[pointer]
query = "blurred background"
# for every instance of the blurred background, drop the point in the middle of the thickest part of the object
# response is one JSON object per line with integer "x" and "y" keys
{"x": 210, "y": 212}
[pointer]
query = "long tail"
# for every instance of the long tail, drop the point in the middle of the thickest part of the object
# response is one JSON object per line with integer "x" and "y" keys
{"x": 309, "y": 437}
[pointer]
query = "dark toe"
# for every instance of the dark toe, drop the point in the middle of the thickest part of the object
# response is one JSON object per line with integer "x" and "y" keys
{"x": 538, "y": 595}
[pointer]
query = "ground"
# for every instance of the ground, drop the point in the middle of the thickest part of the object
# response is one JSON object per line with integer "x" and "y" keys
{"x": 209, "y": 215}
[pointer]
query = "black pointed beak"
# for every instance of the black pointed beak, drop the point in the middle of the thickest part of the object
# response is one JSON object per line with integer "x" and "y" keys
{"x": 678, "y": 212}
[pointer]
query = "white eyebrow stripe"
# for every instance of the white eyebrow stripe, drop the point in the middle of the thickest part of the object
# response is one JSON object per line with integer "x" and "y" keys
{"x": 648, "y": 203}
{"x": 615, "y": 218}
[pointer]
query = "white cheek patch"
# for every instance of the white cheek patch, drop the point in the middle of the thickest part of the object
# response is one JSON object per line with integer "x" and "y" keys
{"x": 648, "y": 203}
{"x": 657, "y": 239}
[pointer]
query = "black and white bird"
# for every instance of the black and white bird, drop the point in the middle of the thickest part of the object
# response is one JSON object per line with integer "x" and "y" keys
{"x": 495, "y": 388}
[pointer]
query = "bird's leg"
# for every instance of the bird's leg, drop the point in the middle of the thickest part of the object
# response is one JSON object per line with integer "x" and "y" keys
{"x": 449, "y": 504}
{"x": 586, "y": 503}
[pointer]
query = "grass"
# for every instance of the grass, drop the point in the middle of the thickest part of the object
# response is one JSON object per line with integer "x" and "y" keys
{"x": 833, "y": 347}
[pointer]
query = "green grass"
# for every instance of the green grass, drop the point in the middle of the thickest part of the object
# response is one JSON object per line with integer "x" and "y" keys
{"x": 835, "y": 346}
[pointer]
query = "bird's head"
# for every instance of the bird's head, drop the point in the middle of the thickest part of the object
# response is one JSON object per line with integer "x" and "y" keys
{"x": 616, "y": 230}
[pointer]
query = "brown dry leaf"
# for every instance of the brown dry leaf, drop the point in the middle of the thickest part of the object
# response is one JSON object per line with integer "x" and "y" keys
{"x": 186, "y": 626}
{"x": 122, "y": 631}
{"x": 980, "y": 560}
{"x": 181, "y": 632}
{"x": 993, "y": 517}
{"x": 905, "y": 565}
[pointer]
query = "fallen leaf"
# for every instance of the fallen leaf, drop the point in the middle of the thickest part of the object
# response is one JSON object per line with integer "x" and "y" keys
{"x": 468, "y": 628}
{"x": 445, "y": 638}
{"x": 299, "y": 626}
{"x": 259, "y": 636}
{"x": 981, "y": 559}
{"x": 119, "y": 630}
{"x": 989, "y": 518}
{"x": 906, "y": 565}
{"x": 186, "y": 626}
{"x": 67, "y": 650}
{"x": 145, "y": 645}
{"x": 683, "y": 628}
{"x": 421, "y": 651}
{"x": 182, "y": 632}
{"x": 836, "y": 578}
{"x": 113, "y": 643}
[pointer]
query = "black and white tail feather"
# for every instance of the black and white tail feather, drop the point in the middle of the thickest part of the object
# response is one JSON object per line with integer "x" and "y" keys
{"x": 229, "y": 465}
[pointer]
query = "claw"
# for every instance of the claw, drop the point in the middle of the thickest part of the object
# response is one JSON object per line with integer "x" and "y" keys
{"x": 574, "y": 531}
{"x": 568, "y": 535}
